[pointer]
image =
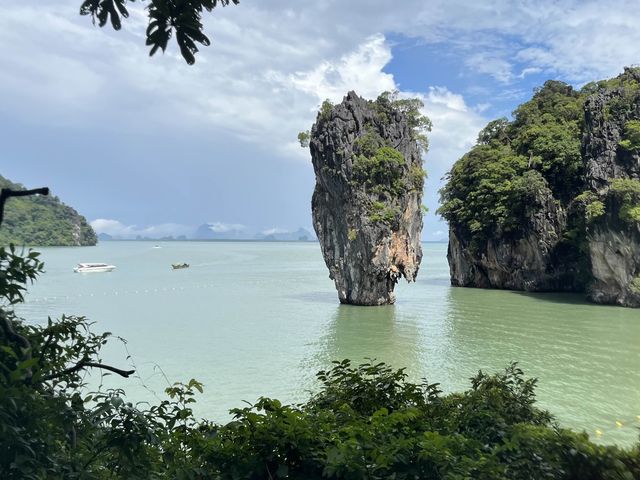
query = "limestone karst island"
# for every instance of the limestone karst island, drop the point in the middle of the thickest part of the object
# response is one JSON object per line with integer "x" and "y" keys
{"x": 317, "y": 240}
{"x": 367, "y": 203}
{"x": 550, "y": 200}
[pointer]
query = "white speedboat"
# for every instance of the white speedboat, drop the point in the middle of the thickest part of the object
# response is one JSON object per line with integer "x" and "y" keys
{"x": 93, "y": 267}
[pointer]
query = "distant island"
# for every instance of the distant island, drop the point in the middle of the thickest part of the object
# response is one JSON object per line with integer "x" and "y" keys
{"x": 208, "y": 231}
{"x": 213, "y": 232}
{"x": 43, "y": 221}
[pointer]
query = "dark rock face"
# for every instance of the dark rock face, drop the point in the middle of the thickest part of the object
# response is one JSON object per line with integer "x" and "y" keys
{"x": 553, "y": 247}
{"x": 613, "y": 245}
{"x": 369, "y": 236}
{"x": 532, "y": 261}
{"x": 603, "y": 131}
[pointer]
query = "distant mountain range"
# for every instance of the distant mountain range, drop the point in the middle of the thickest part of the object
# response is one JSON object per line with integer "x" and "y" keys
{"x": 300, "y": 235}
{"x": 209, "y": 231}
{"x": 213, "y": 231}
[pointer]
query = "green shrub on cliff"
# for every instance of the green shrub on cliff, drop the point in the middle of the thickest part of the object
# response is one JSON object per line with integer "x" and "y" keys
{"x": 325, "y": 109}
{"x": 380, "y": 212}
{"x": 304, "y": 138}
{"x": 631, "y": 137}
{"x": 627, "y": 190}
{"x": 628, "y": 88}
{"x": 381, "y": 173}
{"x": 517, "y": 164}
{"x": 593, "y": 206}
{"x": 478, "y": 194}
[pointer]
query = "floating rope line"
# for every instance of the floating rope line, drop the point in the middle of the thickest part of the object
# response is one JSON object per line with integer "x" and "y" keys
{"x": 57, "y": 298}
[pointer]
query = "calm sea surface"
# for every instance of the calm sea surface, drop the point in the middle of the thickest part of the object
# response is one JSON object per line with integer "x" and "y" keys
{"x": 252, "y": 319}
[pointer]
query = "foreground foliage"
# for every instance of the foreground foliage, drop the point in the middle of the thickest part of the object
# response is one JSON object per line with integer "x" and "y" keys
{"x": 365, "y": 422}
{"x": 166, "y": 18}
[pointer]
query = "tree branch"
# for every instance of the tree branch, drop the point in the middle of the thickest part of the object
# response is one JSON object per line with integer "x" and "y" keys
{"x": 5, "y": 193}
{"x": 81, "y": 365}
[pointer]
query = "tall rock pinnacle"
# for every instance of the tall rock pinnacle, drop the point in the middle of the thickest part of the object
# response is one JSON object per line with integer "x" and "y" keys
{"x": 367, "y": 203}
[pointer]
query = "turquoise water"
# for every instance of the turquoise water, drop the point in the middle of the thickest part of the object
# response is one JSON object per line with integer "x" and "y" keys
{"x": 251, "y": 319}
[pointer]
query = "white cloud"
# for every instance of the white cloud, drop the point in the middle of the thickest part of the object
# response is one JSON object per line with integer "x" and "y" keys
{"x": 360, "y": 70}
{"x": 117, "y": 229}
{"x": 272, "y": 63}
{"x": 274, "y": 231}
{"x": 455, "y": 127}
{"x": 485, "y": 62}
{"x": 219, "y": 227}
{"x": 267, "y": 70}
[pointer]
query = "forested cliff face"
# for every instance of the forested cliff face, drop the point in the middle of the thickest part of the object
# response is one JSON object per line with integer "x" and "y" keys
{"x": 367, "y": 203}
{"x": 42, "y": 221}
{"x": 551, "y": 200}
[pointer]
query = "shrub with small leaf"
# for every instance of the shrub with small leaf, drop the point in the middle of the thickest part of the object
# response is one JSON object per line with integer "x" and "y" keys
{"x": 631, "y": 136}
{"x": 627, "y": 190}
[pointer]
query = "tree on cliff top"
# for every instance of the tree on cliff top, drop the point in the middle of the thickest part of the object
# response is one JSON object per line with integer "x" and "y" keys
{"x": 183, "y": 17}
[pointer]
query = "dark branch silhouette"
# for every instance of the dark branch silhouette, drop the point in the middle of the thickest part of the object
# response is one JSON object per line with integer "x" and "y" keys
{"x": 167, "y": 19}
{"x": 6, "y": 193}
{"x": 81, "y": 365}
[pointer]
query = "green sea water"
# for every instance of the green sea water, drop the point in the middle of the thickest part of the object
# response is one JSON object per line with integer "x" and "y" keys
{"x": 250, "y": 319}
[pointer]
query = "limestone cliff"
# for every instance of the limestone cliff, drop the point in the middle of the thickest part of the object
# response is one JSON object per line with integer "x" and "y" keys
{"x": 613, "y": 176}
{"x": 551, "y": 200}
{"x": 368, "y": 195}
{"x": 43, "y": 221}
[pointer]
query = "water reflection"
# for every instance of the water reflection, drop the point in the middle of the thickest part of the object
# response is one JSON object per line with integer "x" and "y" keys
{"x": 359, "y": 333}
{"x": 569, "y": 345}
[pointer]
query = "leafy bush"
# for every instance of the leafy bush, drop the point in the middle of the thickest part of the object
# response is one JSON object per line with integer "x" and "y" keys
{"x": 369, "y": 422}
{"x": 381, "y": 173}
{"x": 326, "y": 109}
{"x": 417, "y": 174}
{"x": 592, "y": 205}
{"x": 304, "y": 138}
{"x": 479, "y": 192}
{"x": 380, "y": 212}
{"x": 627, "y": 190}
{"x": 631, "y": 137}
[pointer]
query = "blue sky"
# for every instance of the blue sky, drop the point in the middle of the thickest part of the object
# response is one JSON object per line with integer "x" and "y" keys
{"x": 145, "y": 145}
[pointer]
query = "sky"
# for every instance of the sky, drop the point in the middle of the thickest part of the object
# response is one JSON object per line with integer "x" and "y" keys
{"x": 153, "y": 146}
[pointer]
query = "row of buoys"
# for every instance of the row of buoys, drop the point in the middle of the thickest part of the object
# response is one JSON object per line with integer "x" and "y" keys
{"x": 115, "y": 292}
{"x": 618, "y": 424}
